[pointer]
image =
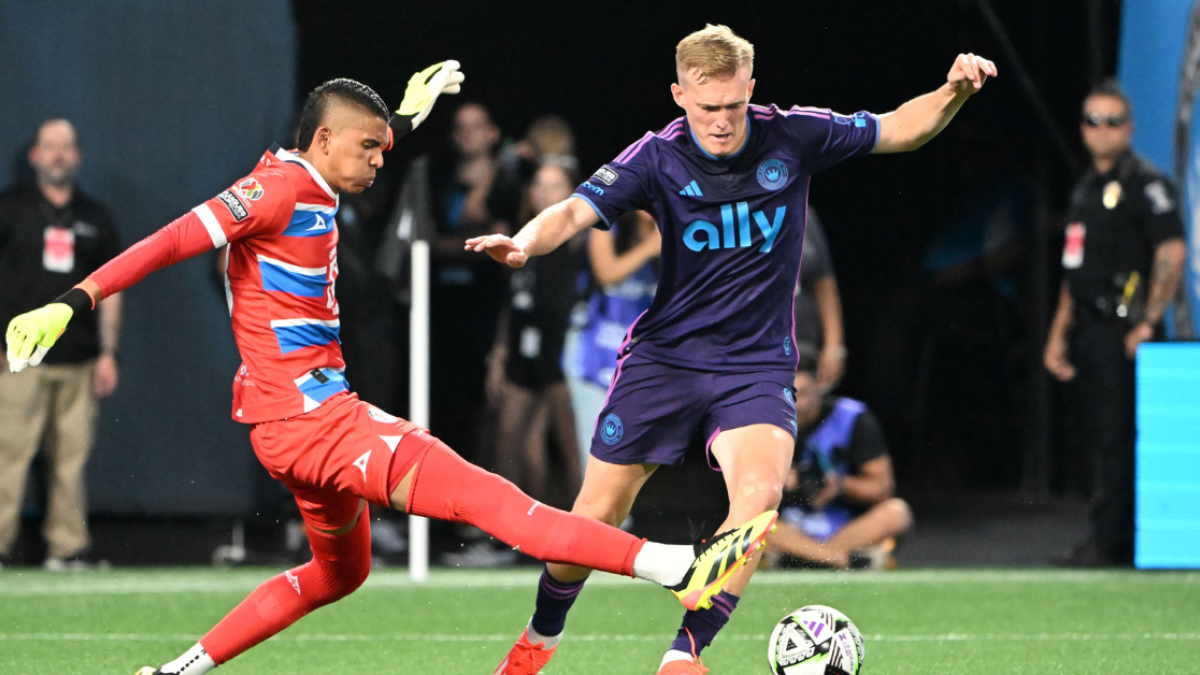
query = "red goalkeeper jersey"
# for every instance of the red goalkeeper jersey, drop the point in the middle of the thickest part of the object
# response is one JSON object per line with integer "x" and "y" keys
{"x": 282, "y": 264}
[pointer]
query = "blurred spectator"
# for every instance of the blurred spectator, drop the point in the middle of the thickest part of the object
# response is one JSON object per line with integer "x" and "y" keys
{"x": 818, "y": 308}
{"x": 52, "y": 236}
{"x": 464, "y": 197}
{"x": 549, "y": 140}
{"x": 467, "y": 291}
{"x": 838, "y": 505}
{"x": 525, "y": 373}
{"x": 623, "y": 278}
{"x": 1122, "y": 259}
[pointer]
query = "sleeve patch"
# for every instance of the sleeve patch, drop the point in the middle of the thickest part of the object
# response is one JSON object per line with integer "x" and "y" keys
{"x": 1160, "y": 200}
{"x": 857, "y": 119}
{"x": 251, "y": 189}
{"x": 236, "y": 208}
{"x": 605, "y": 175}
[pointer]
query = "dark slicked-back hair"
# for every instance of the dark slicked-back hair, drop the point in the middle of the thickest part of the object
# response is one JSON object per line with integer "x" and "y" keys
{"x": 1111, "y": 87}
{"x": 342, "y": 88}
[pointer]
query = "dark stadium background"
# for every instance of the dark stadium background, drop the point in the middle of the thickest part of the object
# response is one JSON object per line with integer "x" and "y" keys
{"x": 990, "y": 423}
{"x": 973, "y": 422}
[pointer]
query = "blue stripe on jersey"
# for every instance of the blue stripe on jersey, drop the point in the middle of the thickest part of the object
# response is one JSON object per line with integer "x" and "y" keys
{"x": 310, "y": 223}
{"x": 595, "y": 208}
{"x": 276, "y": 278}
{"x": 335, "y": 383}
{"x": 292, "y": 338}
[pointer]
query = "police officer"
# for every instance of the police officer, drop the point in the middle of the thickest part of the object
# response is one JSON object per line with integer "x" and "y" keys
{"x": 1122, "y": 260}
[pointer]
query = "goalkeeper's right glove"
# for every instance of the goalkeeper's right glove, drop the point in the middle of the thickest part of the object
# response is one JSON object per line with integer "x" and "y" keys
{"x": 423, "y": 90}
{"x": 32, "y": 334}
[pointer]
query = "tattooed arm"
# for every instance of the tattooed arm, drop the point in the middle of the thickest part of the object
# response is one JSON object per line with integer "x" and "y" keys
{"x": 1168, "y": 268}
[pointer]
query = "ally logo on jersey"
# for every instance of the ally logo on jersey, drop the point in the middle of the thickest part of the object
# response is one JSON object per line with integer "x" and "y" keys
{"x": 702, "y": 234}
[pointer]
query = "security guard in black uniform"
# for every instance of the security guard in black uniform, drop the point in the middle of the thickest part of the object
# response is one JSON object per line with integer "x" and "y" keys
{"x": 1122, "y": 260}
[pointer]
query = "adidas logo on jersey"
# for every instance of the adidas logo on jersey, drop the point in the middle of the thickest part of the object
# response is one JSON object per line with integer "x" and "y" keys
{"x": 691, "y": 190}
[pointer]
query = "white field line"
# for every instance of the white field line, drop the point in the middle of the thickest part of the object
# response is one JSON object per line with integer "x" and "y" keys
{"x": 201, "y": 580}
{"x": 456, "y": 637}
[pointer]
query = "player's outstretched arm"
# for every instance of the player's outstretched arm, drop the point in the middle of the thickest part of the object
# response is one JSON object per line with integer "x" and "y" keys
{"x": 913, "y": 124}
{"x": 541, "y": 235}
{"x": 31, "y": 335}
{"x": 211, "y": 225}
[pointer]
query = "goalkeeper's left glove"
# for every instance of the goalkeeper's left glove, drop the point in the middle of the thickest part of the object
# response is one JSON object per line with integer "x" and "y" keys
{"x": 32, "y": 334}
{"x": 423, "y": 90}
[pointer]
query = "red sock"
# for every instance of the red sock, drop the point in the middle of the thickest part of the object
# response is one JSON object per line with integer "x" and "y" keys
{"x": 447, "y": 487}
{"x": 340, "y": 565}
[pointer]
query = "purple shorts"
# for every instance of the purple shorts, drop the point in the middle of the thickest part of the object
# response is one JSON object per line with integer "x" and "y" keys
{"x": 654, "y": 411}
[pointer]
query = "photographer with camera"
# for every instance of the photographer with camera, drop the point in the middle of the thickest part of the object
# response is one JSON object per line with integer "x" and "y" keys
{"x": 838, "y": 509}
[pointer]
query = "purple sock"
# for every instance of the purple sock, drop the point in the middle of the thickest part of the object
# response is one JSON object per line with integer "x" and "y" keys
{"x": 554, "y": 600}
{"x": 703, "y": 624}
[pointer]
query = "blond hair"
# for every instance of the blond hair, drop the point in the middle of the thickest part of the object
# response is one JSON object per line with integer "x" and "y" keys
{"x": 715, "y": 51}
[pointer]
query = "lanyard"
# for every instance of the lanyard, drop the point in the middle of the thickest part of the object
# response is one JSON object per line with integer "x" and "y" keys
{"x": 64, "y": 217}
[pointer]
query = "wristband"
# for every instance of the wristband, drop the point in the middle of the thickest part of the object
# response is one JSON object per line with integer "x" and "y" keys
{"x": 78, "y": 300}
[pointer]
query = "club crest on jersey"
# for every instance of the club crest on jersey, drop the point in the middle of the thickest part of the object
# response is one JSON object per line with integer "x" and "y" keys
{"x": 612, "y": 430}
{"x": 251, "y": 189}
{"x": 772, "y": 174}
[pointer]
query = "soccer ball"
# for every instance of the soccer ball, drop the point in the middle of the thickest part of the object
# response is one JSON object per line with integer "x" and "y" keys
{"x": 815, "y": 640}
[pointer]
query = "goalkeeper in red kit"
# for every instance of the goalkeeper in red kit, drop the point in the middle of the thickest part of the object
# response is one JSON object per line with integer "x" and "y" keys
{"x": 333, "y": 451}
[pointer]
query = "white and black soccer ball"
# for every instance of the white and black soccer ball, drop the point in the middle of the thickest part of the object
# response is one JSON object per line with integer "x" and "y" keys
{"x": 815, "y": 640}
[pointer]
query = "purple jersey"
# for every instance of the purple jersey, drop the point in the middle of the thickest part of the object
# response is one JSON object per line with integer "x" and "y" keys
{"x": 732, "y": 231}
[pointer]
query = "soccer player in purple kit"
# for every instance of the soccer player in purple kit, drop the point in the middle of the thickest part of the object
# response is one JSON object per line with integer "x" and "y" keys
{"x": 727, "y": 184}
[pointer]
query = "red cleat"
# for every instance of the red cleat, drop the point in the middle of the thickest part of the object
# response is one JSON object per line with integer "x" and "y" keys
{"x": 525, "y": 658}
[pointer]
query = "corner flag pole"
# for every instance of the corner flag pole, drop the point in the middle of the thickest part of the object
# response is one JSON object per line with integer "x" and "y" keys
{"x": 418, "y": 393}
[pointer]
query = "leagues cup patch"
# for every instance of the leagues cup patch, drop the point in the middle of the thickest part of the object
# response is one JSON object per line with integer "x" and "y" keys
{"x": 251, "y": 189}
{"x": 772, "y": 174}
{"x": 235, "y": 205}
{"x": 605, "y": 175}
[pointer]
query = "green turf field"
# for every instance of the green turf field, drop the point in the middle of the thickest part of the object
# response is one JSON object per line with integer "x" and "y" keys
{"x": 919, "y": 622}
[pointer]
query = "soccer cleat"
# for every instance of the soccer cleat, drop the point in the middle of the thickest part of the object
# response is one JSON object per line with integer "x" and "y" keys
{"x": 719, "y": 560}
{"x": 525, "y": 657}
{"x": 148, "y": 671}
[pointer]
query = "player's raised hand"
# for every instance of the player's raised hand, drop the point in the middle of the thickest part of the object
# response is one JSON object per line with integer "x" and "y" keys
{"x": 424, "y": 88}
{"x": 501, "y": 247}
{"x": 32, "y": 334}
{"x": 969, "y": 72}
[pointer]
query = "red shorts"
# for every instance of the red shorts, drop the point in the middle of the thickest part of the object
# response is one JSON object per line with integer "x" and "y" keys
{"x": 342, "y": 452}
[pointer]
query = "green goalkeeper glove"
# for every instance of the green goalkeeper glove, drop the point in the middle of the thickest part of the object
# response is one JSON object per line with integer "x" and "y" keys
{"x": 32, "y": 334}
{"x": 423, "y": 90}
